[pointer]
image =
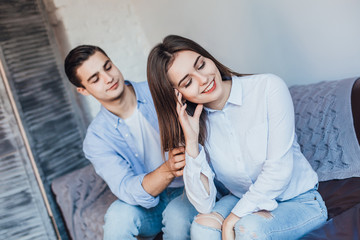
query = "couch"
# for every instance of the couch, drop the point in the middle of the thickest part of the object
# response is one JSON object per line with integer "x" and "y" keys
{"x": 327, "y": 118}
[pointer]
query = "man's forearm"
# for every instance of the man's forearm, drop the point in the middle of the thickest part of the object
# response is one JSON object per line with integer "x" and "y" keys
{"x": 156, "y": 181}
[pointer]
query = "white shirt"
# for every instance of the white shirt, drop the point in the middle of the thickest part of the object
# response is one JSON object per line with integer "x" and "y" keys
{"x": 133, "y": 122}
{"x": 252, "y": 147}
{"x": 147, "y": 141}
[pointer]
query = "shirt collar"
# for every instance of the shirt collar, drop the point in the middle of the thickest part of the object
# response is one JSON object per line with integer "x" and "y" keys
{"x": 236, "y": 93}
{"x": 235, "y": 96}
{"x": 114, "y": 119}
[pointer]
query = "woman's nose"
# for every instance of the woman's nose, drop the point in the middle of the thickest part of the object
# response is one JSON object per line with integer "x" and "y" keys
{"x": 203, "y": 79}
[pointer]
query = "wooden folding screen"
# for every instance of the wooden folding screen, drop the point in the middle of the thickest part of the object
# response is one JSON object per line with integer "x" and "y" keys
{"x": 41, "y": 131}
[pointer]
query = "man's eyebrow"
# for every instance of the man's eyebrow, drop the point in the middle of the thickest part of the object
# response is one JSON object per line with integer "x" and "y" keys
{"x": 104, "y": 66}
{"x": 197, "y": 59}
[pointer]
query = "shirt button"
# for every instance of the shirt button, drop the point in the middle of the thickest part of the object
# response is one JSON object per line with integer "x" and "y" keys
{"x": 120, "y": 121}
{"x": 126, "y": 135}
{"x": 136, "y": 155}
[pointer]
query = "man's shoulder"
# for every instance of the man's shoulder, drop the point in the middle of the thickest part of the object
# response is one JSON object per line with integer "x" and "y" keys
{"x": 143, "y": 93}
{"x": 99, "y": 123}
{"x": 141, "y": 87}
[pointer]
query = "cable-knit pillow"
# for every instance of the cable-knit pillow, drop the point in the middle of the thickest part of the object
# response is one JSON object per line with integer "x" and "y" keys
{"x": 325, "y": 128}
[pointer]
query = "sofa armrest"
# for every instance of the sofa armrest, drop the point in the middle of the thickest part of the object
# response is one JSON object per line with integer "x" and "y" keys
{"x": 355, "y": 106}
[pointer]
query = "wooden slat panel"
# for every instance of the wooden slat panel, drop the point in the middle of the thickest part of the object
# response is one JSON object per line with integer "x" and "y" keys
{"x": 22, "y": 212}
{"x": 51, "y": 123}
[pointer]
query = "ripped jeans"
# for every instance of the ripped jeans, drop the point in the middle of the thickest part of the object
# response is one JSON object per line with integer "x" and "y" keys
{"x": 289, "y": 221}
{"x": 173, "y": 215}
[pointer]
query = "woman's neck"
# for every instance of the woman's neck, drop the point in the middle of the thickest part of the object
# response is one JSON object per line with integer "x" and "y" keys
{"x": 221, "y": 101}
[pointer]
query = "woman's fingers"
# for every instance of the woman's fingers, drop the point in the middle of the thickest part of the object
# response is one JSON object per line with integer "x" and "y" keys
{"x": 180, "y": 107}
{"x": 198, "y": 111}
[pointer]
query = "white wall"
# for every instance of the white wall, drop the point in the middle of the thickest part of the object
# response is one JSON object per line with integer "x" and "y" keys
{"x": 301, "y": 41}
{"x": 110, "y": 24}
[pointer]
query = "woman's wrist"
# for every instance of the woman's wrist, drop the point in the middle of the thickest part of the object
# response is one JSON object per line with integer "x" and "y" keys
{"x": 192, "y": 148}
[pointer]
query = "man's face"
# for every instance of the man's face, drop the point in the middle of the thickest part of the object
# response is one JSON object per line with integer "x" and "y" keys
{"x": 100, "y": 78}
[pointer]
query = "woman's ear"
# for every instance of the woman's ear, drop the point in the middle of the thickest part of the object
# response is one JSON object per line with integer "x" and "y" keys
{"x": 82, "y": 91}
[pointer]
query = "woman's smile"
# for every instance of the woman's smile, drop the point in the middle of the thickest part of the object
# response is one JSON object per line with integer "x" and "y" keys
{"x": 211, "y": 87}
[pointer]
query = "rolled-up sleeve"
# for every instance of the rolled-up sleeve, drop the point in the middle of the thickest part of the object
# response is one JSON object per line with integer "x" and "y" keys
{"x": 278, "y": 166}
{"x": 195, "y": 190}
{"x": 117, "y": 172}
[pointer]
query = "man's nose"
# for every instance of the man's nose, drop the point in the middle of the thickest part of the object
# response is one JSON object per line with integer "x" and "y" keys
{"x": 107, "y": 77}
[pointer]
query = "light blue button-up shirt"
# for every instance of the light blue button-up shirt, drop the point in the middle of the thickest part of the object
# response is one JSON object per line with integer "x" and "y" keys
{"x": 112, "y": 150}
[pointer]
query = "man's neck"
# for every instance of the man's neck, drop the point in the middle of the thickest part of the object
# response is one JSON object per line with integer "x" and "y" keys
{"x": 125, "y": 105}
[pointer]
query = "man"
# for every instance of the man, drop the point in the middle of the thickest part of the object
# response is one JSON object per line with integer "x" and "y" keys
{"x": 123, "y": 144}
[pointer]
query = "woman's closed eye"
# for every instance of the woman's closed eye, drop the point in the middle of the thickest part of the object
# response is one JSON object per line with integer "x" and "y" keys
{"x": 188, "y": 83}
{"x": 202, "y": 65}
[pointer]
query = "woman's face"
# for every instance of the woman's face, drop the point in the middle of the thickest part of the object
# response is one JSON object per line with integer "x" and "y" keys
{"x": 197, "y": 78}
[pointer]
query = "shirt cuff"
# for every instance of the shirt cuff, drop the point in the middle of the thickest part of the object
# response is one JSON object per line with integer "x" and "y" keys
{"x": 196, "y": 164}
{"x": 142, "y": 197}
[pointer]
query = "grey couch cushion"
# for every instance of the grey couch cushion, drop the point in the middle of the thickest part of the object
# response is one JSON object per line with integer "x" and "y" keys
{"x": 83, "y": 198}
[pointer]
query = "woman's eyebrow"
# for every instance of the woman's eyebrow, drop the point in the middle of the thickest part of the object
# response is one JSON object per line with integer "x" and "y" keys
{"x": 197, "y": 59}
{"x": 182, "y": 79}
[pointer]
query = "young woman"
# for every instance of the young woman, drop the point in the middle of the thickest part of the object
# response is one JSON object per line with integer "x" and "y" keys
{"x": 240, "y": 130}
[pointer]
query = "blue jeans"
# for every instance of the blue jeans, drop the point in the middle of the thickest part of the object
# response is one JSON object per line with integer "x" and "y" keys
{"x": 173, "y": 215}
{"x": 290, "y": 220}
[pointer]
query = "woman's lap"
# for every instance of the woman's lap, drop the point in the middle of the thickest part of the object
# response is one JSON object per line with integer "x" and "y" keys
{"x": 290, "y": 220}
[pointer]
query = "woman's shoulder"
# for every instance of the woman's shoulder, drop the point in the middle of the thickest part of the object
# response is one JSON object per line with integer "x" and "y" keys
{"x": 259, "y": 77}
{"x": 260, "y": 83}
{"x": 265, "y": 79}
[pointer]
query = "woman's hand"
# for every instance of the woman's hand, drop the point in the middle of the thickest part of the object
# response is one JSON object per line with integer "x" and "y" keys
{"x": 228, "y": 232}
{"x": 189, "y": 124}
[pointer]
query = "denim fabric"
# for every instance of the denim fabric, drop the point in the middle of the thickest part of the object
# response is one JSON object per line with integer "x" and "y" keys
{"x": 290, "y": 220}
{"x": 173, "y": 215}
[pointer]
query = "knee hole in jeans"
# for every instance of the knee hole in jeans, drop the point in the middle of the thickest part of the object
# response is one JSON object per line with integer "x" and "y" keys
{"x": 213, "y": 220}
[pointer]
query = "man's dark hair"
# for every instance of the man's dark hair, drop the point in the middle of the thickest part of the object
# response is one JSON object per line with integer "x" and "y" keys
{"x": 75, "y": 59}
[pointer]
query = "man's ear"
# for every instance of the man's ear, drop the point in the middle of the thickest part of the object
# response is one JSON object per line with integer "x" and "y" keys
{"x": 82, "y": 91}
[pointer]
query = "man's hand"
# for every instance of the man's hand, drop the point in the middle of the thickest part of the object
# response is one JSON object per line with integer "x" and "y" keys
{"x": 156, "y": 181}
{"x": 228, "y": 232}
{"x": 176, "y": 161}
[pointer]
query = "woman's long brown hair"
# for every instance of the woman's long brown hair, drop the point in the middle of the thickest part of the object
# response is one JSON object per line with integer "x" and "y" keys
{"x": 159, "y": 61}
